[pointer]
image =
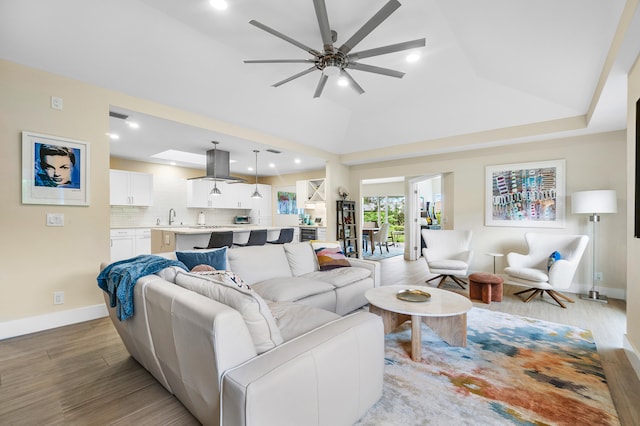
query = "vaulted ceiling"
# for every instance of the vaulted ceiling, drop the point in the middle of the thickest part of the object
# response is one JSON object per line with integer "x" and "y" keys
{"x": 492, "y": 72}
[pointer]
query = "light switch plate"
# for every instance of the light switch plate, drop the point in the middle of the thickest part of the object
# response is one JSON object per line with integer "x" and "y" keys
{"x": 55, "y": 219}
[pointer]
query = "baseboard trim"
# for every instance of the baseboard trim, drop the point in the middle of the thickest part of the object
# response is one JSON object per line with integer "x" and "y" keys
{"x": 29, "y": 325}
{"x": 632, "y": 353}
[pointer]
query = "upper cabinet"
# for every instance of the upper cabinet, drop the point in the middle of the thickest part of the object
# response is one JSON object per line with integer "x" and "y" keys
{"x": 130, "y": 188}
{"x": 310, "y": 191}
{"x": 233, "y": 195}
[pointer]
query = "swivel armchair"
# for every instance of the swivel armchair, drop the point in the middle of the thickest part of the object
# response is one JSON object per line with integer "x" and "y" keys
{"x": 448, "y": 254}
{"x": 542, "y": 275}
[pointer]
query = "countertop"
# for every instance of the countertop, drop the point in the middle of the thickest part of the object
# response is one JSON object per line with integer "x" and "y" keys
{"x": 204, "y": 229}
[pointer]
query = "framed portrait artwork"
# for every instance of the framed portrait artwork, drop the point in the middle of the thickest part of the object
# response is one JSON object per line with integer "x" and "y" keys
{"x": 55, "y": 170}
{"x": 526, "y": 194}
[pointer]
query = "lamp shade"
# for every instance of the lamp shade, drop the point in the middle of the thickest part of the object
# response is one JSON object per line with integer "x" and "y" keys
{"x": 589, "y": 202}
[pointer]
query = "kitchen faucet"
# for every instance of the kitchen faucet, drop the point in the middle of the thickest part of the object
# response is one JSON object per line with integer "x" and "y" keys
{"x": 172, "y": 216}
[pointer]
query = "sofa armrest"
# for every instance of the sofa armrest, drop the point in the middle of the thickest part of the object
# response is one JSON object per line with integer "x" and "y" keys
{"x": 329, "y": 376}
{"x": 374, "y": 267}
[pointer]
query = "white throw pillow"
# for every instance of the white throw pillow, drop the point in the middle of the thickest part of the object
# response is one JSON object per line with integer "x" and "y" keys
{"x": 227, "y": 288}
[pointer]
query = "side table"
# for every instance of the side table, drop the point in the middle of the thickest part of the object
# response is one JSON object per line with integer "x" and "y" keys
{"x": 494, "y": 255}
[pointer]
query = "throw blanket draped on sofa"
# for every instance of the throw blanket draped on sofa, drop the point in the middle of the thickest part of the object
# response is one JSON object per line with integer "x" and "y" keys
{"x": 119, "y": 278}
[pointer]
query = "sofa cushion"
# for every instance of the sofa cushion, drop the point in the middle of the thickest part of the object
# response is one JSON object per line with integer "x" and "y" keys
{"x": 214, "y": 257}
{"x": 329, "y": 255}
{"x": 301, "y": 257}
{"x": 258, "y": 263}
{"x": 227, "y": 288}
{"x": 339, "y": 277}
{"x": 290, "y": 289}
{"x": 295, "y": 319}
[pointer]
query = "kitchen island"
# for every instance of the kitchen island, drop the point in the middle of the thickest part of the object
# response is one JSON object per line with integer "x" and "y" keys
{"x": 187, "y": 237}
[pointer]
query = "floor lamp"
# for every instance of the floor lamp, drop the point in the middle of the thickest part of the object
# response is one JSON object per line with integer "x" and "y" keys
{"x": 594, "y": 203}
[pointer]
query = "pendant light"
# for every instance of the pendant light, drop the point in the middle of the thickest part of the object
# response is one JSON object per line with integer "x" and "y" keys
{"x": 215, "y": 191}
{"x": 256, "y": 193}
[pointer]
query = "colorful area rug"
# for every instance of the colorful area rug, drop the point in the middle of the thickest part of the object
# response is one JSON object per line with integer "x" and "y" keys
{"x": 514, "y": 371}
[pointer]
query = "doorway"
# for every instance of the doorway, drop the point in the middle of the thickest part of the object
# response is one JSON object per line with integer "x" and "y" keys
{"x": 383, "y": 210}
{"x": 426, "y": 209}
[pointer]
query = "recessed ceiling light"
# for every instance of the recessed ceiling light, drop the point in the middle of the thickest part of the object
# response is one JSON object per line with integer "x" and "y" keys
{"x": 272, "y": 165}
{"x": 113, "y": 136}
{"x": 413, "y": 57}
{"x": 133, "y": 124}
{"x": 250, "y": 168}
{"x": 343, "y": 82}
{"x": 173, "y": 163}
{"x": 297, "y": 161}
{"x": 219, "y": 4}
{"x": 182, "y": 156}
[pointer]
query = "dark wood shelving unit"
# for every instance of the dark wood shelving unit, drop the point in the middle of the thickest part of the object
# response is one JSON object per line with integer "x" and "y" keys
{"x": 346, "y": 230}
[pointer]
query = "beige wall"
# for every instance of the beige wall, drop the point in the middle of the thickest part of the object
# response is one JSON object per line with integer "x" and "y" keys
{"x": 38, "y": 260}
{"x": 633, "y": 244}
{"x": 585, "y": 159}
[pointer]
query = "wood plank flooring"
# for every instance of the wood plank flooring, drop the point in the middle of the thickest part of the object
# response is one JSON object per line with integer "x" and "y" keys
{"x": 82, "y": 375}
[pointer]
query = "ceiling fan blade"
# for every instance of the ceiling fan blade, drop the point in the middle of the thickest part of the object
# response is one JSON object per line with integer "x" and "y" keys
{"x": 352, "y": 82}
{"x": 374, "y": 69}
{"x": 293, "y": 77}
{"x": 323, "y": 23}
{"x": 320, "y": 87}
{"x": 279, "y": 61}
{"x": 369, "y": 26}
{"x": 388, "y": 49}
{"x": 284, "y": 37}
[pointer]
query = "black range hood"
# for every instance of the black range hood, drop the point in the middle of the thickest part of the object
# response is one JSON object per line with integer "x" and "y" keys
{"x": 218, "y": 167}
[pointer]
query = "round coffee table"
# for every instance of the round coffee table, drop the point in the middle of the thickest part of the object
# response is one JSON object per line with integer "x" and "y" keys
{"x": 445, "y": 313}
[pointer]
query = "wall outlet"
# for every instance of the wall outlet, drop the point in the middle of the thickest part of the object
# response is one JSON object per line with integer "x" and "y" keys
{"x": 56, "y": 102}
{"x": 597, "y": 276}
{"x": 58, "y": 297}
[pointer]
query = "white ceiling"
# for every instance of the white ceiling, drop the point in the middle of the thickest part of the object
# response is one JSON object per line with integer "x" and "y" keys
{"x": 490, "y": 64}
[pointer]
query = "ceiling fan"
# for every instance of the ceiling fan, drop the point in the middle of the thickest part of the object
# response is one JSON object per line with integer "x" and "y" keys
{"x": 332, "y": 61}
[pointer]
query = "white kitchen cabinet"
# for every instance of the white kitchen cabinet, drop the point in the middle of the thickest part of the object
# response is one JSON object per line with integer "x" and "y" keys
{"x": 233, "y": 195}
{"x": 321, "y": 234}
{"x": 126, "y": 243}
{"x": 310, "y": 191}
{"x": 142, "y": 241}
{"x": 122, "y": 244}
{"x": 261, "y": 207}
{"x": 130, "y": 188}
{"x": 198, "y": 193}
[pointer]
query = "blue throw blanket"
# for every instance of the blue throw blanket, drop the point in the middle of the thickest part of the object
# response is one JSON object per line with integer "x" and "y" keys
{"x": 119, "y": 278}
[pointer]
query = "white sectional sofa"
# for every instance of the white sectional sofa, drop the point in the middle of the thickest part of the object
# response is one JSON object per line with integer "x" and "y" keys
{"x": 275, "y": 353}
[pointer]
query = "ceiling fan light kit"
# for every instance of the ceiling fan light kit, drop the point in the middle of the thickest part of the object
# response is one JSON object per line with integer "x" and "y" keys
{"x": 335, "y": 62}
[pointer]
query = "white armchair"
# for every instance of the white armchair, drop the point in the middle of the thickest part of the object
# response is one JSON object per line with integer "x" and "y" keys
{"x": 448, "y": 254}
{"x": 532, "y": 269}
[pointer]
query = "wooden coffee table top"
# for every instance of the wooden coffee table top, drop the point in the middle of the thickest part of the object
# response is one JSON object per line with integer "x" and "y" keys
{"x": 441, "y": 304}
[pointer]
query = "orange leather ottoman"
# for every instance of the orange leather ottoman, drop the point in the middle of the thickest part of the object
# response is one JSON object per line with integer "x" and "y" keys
{"x": 486, "y": 287}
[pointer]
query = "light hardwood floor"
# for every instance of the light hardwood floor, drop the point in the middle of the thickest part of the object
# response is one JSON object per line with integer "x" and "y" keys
{"x": 82, "y": 375}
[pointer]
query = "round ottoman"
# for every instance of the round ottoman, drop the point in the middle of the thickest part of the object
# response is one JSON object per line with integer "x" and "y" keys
{"x": 486, "y": 287}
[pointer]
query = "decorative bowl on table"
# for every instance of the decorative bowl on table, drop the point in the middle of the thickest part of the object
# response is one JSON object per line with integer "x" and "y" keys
{"x": 413, "y": 295}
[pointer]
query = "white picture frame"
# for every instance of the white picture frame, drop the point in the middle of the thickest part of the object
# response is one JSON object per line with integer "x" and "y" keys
{"x": 526, "y": 194}
{"x": 55, "y": 170}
